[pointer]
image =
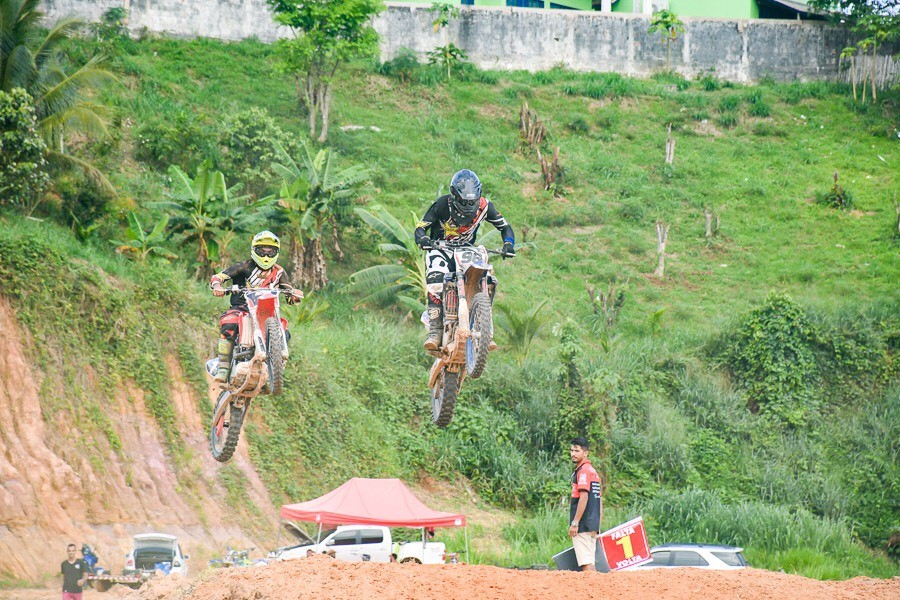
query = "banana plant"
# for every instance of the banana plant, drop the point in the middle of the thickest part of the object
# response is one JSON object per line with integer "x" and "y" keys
{"x": 312, "y": 197}
{"x": 141, "y": 244}
{"x": 401, "y": 281}
{"x": 520, "y": 328}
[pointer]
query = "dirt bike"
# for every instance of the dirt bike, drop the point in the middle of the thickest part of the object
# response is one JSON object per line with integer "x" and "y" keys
{"x": 257, "y": 362}
{"x": 468, "y": 327}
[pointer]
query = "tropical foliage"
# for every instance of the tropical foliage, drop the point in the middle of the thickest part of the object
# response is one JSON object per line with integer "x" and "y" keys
{"x": 140, "y": 244}
{"x": 31, "y": 58}
{"x": 670, "y": 26}
{"x": 22, "y": 164}
{"x": 311, "y": 199}
{"x": 520, "y": 328}
{"x": 402, "y": 280}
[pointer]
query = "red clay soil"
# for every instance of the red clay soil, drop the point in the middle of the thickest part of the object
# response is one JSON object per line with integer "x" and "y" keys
{"x": 320, "y": 577}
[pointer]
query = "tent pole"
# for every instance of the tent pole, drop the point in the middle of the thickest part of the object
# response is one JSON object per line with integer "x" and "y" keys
{"x": 423, "y": 545}
{"x": 468, "y": 558}
{"x": 319, "y": 534}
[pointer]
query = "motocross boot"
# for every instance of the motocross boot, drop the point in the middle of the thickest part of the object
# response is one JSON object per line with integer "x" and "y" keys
{"x": 435, "y": 330}
{"x": 224, "y": 348}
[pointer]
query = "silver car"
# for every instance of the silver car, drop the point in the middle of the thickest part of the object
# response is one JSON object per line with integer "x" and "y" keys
{"x": 698, "y": 556}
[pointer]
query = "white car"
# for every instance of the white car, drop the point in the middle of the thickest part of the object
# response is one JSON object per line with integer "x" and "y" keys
{"x": 156, "y": 552}
{"x": 698, "y": 556}
{"x": 369, "y": 543}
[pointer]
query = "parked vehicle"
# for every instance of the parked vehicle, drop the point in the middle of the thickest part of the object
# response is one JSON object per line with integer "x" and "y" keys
{"x": 371, "y": 543}
{"x": 698, "y": 556}
{"x": 257, "y": 362}
{"x": 468, "y": 327}
{"x": 156, "y": 552}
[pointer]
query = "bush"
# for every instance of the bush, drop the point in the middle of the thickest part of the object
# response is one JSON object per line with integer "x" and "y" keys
{"x": 22, "y": 164}
{"x": 836, "y": 197}
{"x": 247, "y": 139}
{"x": 728, "y": 120}
{"x": 772, "y": 357}
{"x": 179, "y": 141}
{"x": 403, "y": 66}
{"x": 729, "y": 103}
{"x": 708, "y": 81}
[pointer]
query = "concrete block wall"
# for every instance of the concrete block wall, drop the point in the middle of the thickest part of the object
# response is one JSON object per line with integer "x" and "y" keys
{"x": 517, "y": 38}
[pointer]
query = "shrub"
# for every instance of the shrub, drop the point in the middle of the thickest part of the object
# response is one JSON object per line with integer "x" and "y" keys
{"x": 836, "y": 197}
{"x": 708, "y": 81}
{"x": 247, "y": 138}
{"x": 729, "y": 103}
{"x": 22, "y": 175}
{"x": 773, "y": 360}
{"x": 403, "y": 66}
{"x": 578, "y": 125}
{"x": 728, "y": 120}
{"x": 179, "y": 141}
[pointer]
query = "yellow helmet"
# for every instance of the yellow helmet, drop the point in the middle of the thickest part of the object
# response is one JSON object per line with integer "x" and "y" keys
{"x": 264, "y": 249}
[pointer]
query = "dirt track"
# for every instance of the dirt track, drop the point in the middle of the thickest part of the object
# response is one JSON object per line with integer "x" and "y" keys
{"x": 323, "y": 577}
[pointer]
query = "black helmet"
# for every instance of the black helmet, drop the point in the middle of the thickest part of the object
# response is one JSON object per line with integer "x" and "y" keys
{"x": 465, "y": 195}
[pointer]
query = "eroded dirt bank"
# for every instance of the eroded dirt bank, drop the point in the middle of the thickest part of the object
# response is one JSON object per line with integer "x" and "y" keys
{"x": 321, "y": 577}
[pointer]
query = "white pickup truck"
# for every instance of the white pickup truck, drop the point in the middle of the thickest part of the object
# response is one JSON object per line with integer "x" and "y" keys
{"x": 373, "y": 543}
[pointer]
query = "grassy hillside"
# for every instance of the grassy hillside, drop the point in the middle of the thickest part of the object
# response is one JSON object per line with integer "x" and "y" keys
{"x": 664, "y": 392}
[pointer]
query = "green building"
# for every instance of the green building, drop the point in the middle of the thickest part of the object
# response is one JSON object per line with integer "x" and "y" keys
{"x": 724, "y": 9}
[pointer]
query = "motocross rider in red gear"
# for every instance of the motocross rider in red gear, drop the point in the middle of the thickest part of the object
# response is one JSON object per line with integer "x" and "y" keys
{"x": 260, "y": 271}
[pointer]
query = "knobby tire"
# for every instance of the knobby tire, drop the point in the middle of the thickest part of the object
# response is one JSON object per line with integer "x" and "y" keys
{"x": 480, "y": 322}
{"x": 233, "y": 425}
{"x": 443, "y": 397}
{"x": 274, "y": 359}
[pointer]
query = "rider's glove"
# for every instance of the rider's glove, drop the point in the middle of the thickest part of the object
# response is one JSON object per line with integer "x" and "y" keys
{"x": 424, "y": 242}
{"x": 294, "y": 296}
{"x": 508, "y": 250}
{"x": 217, "y": 289}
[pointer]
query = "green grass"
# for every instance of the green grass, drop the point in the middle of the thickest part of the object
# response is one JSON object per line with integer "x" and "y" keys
{"x": 755, "y": 155}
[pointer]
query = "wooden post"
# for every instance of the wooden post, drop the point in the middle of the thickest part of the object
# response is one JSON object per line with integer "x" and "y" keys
{"x": 670, "y": 145}
{"x": 662, "y": 236}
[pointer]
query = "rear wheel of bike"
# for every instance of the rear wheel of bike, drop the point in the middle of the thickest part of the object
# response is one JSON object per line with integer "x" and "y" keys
{"x": 101, "y": 586}
{"x": 225, "y": 431}
{"x": 274, "y": 358}
{"x": 481, "y": 325}
{"x": 443, "y": 397}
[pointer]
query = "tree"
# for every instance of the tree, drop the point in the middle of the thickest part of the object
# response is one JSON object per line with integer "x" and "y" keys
{"x": 448, "y": 56}
{"x": 31, "y": 59}
{"x": 141, "y": 244}
{"x": 402, "y": 280}
{"x": 204, "y": 210}
{"x": 326, "y": 34}
{"x": 670, "y": 26}
{"x": 311, "y": 198}
{"x": 22, "y": 163}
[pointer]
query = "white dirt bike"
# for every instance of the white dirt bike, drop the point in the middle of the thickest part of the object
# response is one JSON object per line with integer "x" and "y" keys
{"x": 468, "y": 327}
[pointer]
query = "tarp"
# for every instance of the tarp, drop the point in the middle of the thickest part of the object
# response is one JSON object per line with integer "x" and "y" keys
{"x": 371, "y": 502}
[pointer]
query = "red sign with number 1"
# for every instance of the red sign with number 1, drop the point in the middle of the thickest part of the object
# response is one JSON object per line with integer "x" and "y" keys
{"x": 626, "y": 545}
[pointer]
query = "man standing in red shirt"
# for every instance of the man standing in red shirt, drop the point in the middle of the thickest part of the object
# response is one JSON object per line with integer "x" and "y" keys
{"x": 585, "y": 505}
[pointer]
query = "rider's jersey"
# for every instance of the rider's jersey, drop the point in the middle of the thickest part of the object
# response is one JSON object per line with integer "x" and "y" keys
{"x": 438, "y": 225}
{"x": 248, "y": 274}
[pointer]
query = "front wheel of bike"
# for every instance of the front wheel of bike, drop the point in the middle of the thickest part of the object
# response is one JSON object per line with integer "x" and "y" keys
{"x": 274, "y": 358}
{"x": 443, "y": 397}
{"x": 481, "y": 328}
{"x": 225, "y": 431}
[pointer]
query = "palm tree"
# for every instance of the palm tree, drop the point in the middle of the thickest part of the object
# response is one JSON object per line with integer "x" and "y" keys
{"x": 311, "y": 198}
{"x": 402, "y": 280}
{"x": 31, "y": 59}
{"x": 520, "y": 329}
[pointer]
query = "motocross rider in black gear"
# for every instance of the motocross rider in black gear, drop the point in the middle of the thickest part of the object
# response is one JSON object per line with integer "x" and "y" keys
{"x": 454, "y": 218}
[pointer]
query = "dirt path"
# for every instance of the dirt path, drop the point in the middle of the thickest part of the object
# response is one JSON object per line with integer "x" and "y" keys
{"x": 322, "y": 577}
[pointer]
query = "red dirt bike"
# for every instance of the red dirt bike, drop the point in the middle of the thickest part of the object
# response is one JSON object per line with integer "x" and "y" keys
{"x": 468, "y": 327}
{"x": 257, "y": 363}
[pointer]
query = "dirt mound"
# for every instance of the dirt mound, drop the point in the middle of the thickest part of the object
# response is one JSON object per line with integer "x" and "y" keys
{"x": 322, "y": 577}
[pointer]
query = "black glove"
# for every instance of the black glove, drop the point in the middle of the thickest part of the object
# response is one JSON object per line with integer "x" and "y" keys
{"x": 424, "y": 242}
{"x": 508, "y": 251}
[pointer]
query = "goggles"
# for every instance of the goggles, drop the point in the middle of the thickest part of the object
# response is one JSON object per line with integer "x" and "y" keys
{"x": 464, "y": 202}
{"x": 267, "y": 251}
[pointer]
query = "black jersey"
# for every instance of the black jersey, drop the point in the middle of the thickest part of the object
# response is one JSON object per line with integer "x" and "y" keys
{"x": 248, "y": 274}
{"x": 438, "y": 225}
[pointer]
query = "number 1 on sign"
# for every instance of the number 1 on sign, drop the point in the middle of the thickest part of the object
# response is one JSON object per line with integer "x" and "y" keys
{"x": 625, "y": 542}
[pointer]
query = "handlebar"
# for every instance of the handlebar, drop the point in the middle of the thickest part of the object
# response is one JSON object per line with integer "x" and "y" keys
{"x": 441, "y": 245}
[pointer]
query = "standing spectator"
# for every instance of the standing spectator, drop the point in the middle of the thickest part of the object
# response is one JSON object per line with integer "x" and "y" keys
{"x": 74, "y": 571}
{"x": 585, "y": 505}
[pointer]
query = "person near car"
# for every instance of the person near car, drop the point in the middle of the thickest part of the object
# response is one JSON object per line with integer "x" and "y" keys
{"x": 74, "y": 572}
{"x": 585, "y": 505}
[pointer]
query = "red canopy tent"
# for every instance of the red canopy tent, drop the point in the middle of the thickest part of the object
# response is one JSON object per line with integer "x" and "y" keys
{"x": 362, "y": 501}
